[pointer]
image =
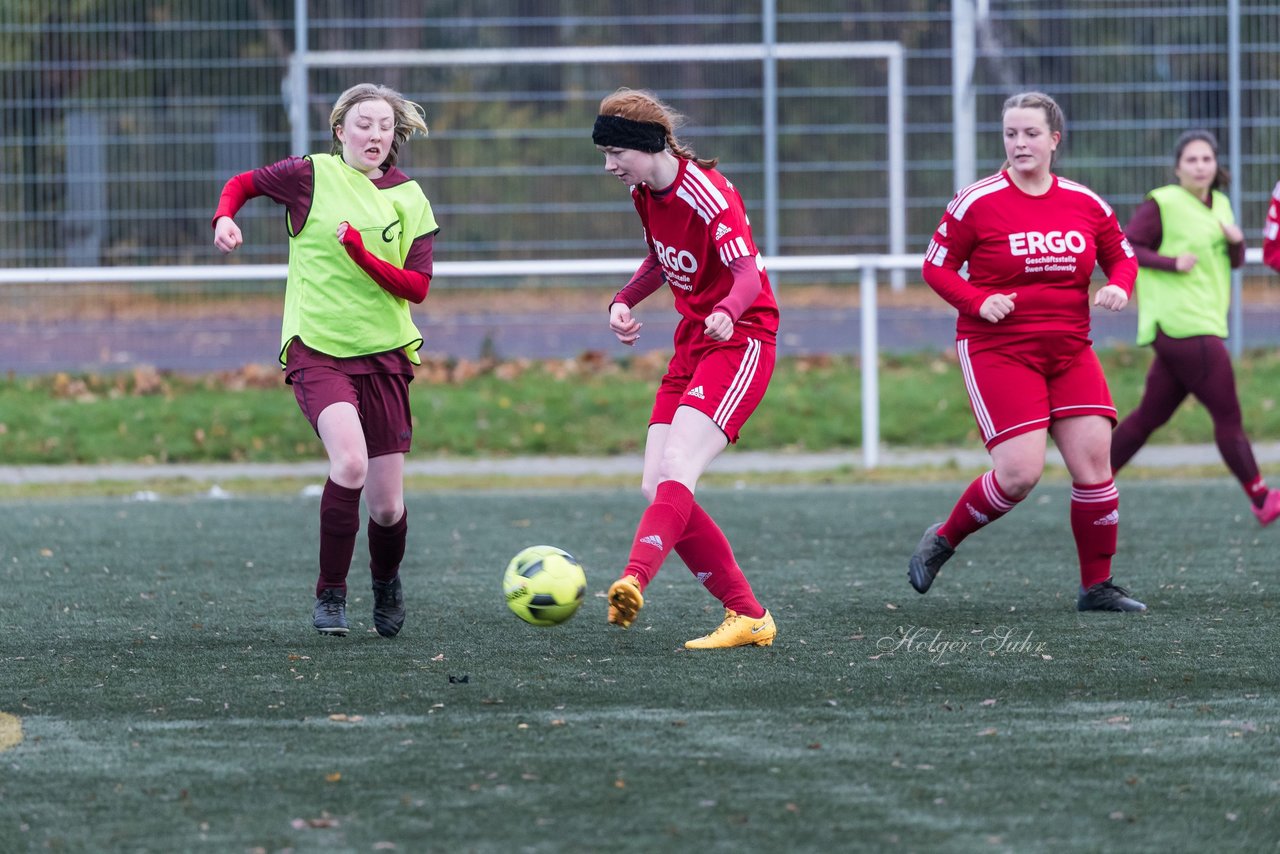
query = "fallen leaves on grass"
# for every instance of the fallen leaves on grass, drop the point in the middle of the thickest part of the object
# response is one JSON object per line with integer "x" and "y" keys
{"x": 324, "y": 821}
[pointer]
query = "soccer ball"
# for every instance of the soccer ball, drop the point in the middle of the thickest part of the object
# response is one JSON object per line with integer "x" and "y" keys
{"x": 544, "y": 585}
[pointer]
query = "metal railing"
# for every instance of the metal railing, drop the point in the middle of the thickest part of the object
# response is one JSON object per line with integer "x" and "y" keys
{"x": 869, "y": 267}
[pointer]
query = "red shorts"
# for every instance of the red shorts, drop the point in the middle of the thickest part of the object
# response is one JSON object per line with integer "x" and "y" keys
{"x": 725, "y": 382}
{"x": 1021, "y": 383}
{"x": 381, "y": 398}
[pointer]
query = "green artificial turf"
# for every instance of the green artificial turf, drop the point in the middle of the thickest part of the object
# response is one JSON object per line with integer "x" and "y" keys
{"x": 171, "y": 695}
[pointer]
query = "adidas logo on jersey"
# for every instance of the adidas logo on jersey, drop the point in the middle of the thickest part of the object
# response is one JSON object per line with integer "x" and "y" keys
{"x": 702, "y": 577}
{"x": 942, "y": 230}
{"x": 697, "y": 392}
{"x": 652, "y": 540}
{"x": 1112, "y": 518}
{"x": 722, "y": 230}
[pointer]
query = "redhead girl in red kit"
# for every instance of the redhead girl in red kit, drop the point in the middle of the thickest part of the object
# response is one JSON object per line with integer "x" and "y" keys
{"x": 1031, "y": 240}
{"x": 700, "y": 244}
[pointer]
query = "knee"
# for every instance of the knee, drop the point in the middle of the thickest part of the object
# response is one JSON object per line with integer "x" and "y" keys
{"x": 1228, "y": 422}
{"x": 1018, "y": 479}
{"x": 1146, "y": 422}
{"x": 386, "y": 513}
{"x": 1095, "y": 467}
{"x": 349, "y": 469}
{"x": 676, "y": 464}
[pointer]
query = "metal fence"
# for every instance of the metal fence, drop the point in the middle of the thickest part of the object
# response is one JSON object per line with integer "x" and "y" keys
{"x": 127, "y": 117}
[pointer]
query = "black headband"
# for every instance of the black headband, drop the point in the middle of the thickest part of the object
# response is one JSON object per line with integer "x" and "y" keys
{"x": 617, "y": 132}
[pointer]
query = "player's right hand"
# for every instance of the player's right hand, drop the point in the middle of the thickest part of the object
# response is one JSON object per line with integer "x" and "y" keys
{"x": 1184, "y": 262}
{"x": 626, "y": 327}
{"x": 997, "y": 307}
{"x": 226, "y": 234}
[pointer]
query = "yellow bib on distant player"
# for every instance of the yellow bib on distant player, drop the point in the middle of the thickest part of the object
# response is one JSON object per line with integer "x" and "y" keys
{"x": 330, "y": 303}
{"x": 1183, "y": 305}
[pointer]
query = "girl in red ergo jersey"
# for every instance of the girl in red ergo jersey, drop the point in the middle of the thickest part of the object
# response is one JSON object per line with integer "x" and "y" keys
{"x": 700, "y": 244}
{"x": 1031, "y": 240}
{"x": 1271, "y": 232}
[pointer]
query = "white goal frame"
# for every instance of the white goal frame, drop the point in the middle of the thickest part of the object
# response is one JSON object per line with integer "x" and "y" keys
{"x": 303, "y": 60}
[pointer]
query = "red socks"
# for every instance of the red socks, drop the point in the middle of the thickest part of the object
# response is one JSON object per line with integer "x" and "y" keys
{"x": 980, "y": 505}
{"x": 339, "y": 524}
{"x": 706, "y": 551}
{"x": 661, "y": 525}
{"x": 1095, "y": 519}
{"x": 386, "y": 547}
{"x": 1095, "y": 522}
{"x": 674, "y": 520}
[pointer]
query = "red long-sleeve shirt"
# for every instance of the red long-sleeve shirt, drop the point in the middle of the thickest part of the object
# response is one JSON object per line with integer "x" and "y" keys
{"x": 1271, "y": 232}
{"x": 1043, "y": 248}
{"x": 700, "y": 244}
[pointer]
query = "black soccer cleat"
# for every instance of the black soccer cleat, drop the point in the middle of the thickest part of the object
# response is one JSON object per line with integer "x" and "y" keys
{"x": 388, "y": 607}
{"x": 928, "y": 559}
{"x": 330, "y": 615}
{"x": 1107, "y": 596}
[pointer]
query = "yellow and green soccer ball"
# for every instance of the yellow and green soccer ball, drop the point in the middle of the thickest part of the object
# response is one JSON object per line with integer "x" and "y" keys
{"x": 544, "y": 585}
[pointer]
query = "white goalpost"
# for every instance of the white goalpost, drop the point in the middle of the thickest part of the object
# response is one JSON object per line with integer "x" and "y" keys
{"x": 892, "y": 53}
{"x": 869, "y": 267}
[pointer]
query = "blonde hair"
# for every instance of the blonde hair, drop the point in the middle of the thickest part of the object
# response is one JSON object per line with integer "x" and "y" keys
{"x": 410, "y": 117}
{"x": 1053, "y": 115}
{"x": 641, "y": 106}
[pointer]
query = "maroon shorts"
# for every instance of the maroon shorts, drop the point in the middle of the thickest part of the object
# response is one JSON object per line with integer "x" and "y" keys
{"x": 379, "y": 395}
{"x": 725, "y": 382}
{"x": 1021, "y": 383}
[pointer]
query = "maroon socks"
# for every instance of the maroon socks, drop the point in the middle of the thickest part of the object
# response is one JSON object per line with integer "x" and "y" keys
{"x": 339, "y": 524}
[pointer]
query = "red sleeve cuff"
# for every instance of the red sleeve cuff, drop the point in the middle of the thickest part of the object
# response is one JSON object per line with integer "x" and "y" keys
{"x": 407, "y": 284}
{"x": 235, "y": 193}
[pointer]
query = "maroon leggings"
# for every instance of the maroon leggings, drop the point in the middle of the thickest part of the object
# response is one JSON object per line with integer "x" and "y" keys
{"x": 1200, "y": 366}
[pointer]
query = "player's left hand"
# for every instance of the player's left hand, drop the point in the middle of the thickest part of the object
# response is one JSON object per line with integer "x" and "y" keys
{"x": 1111, "y": 297}
{"x": 1233, "y": 233}
{"x": 349, "y": 236}
{"x": 719, "y": 326}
